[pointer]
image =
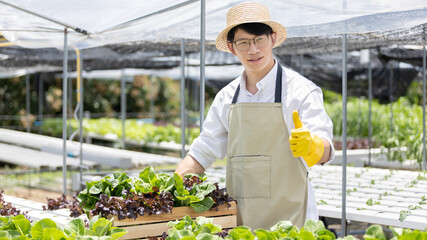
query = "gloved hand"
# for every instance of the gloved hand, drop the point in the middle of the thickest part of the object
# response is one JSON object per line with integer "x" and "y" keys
{"x": 304, "y": 144}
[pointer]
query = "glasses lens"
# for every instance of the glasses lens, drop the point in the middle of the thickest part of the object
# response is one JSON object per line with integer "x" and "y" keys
{"x": 261, "y": 41}
{"x": 242, "y": 45}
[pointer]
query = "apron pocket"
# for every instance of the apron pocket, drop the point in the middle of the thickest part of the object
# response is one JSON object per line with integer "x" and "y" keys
{"x": 250, "y": 176}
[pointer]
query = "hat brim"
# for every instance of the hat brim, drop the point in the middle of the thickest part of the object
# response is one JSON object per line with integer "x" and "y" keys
{"x": 279, "y": 29}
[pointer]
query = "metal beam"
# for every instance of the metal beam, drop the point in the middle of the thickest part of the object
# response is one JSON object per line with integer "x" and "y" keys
{"x": 46, "y": 18}
{"x": 127, "y": 23}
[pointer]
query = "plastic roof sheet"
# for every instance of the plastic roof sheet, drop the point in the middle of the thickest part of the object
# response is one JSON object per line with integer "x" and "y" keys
{"x": 114, "y": 22}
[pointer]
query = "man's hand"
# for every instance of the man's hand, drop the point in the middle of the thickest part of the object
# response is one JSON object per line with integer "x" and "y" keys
{"x": 189, "y": 165}
{"x": 304, "y": 144}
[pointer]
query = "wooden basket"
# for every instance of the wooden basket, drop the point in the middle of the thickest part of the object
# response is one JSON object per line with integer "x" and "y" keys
{"x": 154, "y": 225}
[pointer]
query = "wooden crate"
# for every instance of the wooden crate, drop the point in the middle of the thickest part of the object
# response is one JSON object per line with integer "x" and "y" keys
{"x": 155, "y": 225}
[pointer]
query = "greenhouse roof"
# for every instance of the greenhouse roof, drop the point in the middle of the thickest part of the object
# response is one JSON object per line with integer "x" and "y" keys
{"x": 312, "y": 25}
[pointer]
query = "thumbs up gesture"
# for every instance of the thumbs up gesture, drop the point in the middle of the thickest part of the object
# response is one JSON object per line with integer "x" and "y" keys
{"x": 304, "y": 144}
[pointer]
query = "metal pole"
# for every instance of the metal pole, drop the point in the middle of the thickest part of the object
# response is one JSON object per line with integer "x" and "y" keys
{"x": 46, "y": 18}
{"x": 183, "y": 98}
{"x": 80, "y": 99}
{"x": 70, "y": 104}
{"x": 344, "y": 135}
{"x": 370, "y": 107}
{"x": 424, "y": 108}
{"x": 27, "y": 101}
{"x": 202, "y": 62}
{"x": 390, "y": 91}
{"x": 123, "y": 106}
{"x": 41, "y": 94}
{"x": 70, "y": 98}
{"x": 301, "y": 64}
{"x": 152, "y": 99}
{"x": 64, "y": 113}
{"x": 88, "y": 139}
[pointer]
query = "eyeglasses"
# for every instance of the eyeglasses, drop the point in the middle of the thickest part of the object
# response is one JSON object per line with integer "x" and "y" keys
{"x": 244, "y": 44}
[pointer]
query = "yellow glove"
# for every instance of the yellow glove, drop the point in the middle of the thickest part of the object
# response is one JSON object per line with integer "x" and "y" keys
{"x": 304, "y": 144}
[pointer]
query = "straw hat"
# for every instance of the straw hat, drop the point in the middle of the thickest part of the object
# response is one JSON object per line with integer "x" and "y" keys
{"x": 249, "y": 13}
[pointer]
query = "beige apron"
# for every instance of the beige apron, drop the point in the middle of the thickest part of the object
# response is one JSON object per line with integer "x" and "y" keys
{"x": 268, "y": 182}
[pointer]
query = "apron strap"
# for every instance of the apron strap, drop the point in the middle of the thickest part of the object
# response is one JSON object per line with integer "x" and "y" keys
{"x": 278, "y": 89}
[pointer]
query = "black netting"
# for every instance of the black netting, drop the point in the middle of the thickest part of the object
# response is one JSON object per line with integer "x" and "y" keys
{"x": 322, "y": 60}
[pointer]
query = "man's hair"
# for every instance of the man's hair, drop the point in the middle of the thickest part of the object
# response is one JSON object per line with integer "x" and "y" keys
{"x": 256, "y": 29}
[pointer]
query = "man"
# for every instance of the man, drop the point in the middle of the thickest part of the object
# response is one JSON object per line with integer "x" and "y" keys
{"x": 255, "y": 122}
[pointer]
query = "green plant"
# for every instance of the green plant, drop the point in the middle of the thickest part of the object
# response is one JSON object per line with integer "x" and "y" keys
{"x": 151, "y": 193}
{"x": 149, "y": 181}
{"x": 109, "y": 186}
{"x": 20, "y": 228}
{"x": 405, "y": 131}
{"x": 375, "y": 232}
{"x": 195, "y": 197}
{"x": 135, "y": 130}
{"x": 187, "y": 228}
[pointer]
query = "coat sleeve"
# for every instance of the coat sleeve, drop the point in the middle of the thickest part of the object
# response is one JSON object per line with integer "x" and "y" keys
{"x": 211, "y": 144}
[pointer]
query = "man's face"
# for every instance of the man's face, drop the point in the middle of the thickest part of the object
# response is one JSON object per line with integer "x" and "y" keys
{"x": 255, "y": 58}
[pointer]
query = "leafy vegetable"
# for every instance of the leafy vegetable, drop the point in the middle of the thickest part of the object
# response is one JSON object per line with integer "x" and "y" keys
{"x": 150, "y": 193}
{"x": 62, "y": 202}
{"x": 133, "y": 205}
{"x": 201, "y": 228}
{"x": 196, "y": 197}
{"x": 109, "y": 186}
{"x": 149, "y": 181}
{"x": 18, "y": 227}
{"x": 6, "y": 208}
